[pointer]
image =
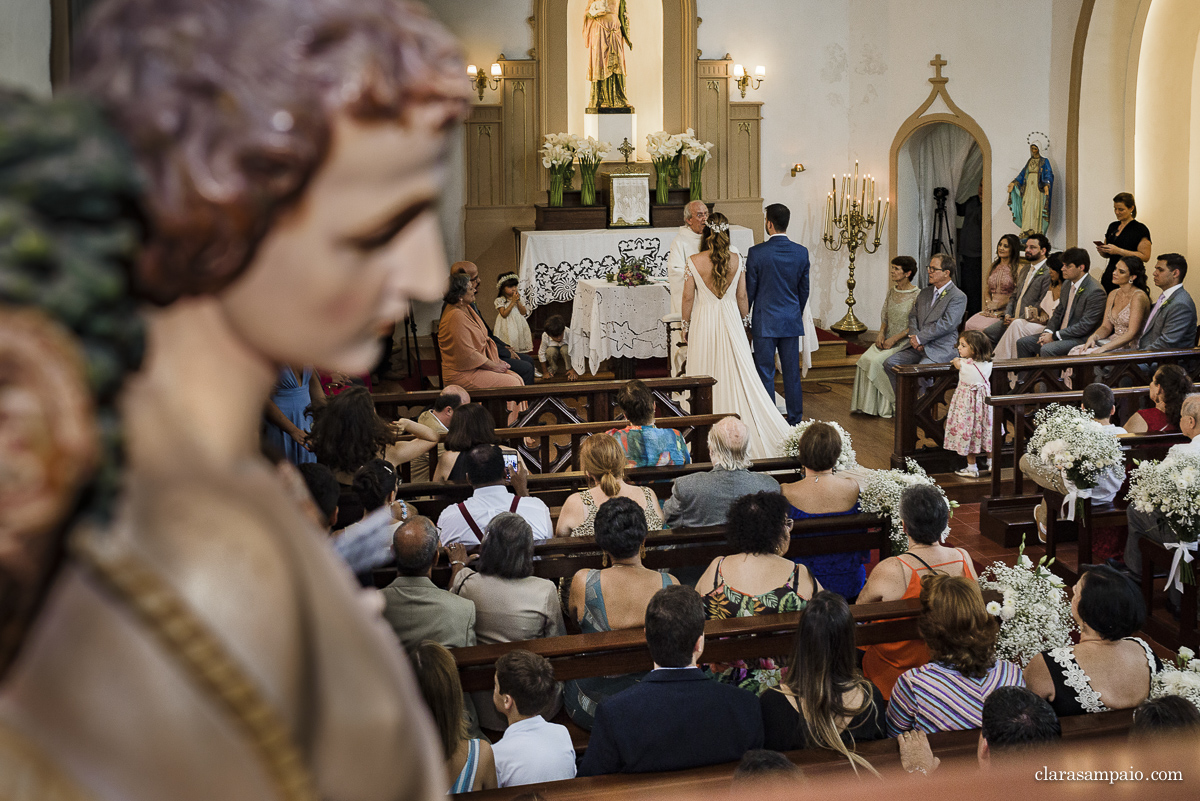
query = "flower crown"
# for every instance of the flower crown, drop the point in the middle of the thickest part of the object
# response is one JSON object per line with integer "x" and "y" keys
{"x": 718, "y": 228}
{"x": 502, "y": 280}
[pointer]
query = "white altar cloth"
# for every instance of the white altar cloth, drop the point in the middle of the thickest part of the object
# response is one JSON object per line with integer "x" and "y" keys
{"x": 610, "y": 320}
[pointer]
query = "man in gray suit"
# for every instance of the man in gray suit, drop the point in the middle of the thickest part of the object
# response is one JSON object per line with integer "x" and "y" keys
{"x": 934, "y": 320}
{"x": 1171, "y": 324}
{"x": 1031, "y": 282}
{"x": 1080, "y": 310}
{"x": 703, "y": 499}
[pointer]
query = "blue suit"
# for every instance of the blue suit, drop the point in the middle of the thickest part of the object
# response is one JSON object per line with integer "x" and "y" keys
{"x": 777, "y": 286}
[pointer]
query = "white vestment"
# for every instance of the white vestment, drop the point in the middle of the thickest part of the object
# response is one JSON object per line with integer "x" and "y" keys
{"x": 685, "y": 245}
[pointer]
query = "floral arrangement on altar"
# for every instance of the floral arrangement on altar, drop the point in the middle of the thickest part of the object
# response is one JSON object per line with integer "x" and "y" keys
{"x": 591, "y": 152}
{"x": 665, "y": 151}
{"x": 632, "y": 272}
{"x": 1068, "y": 440}
{"x": 1171, "y": 488}
{"x": 791, "y": 444}
{"x": 1182, "y": 678}
{"x": 558, "y": 155}
{"x": 696, "y": 152}
{"x": 1035, "y": 615}
{"x": 881, "y": 493}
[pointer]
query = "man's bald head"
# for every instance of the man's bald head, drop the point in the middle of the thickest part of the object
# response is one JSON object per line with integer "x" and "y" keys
{"x": 727, "y": 443}
{"x": 695, "y": 214}
{"x": 415, "y": 545}
{"x": 1189, "y": 416}
{"x": 455, "y": 389}
{"x": 467, "y": 267}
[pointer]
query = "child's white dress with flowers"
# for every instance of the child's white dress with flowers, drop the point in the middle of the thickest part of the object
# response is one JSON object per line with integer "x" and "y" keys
{"x": 969, "y": 419}
{"x": 513, "y": 329}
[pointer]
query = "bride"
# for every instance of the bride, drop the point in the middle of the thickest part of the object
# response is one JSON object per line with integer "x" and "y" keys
{"x": 714, "y": 307}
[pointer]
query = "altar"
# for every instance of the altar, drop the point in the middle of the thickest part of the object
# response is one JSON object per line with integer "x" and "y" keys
{"x": 618, "y": 322}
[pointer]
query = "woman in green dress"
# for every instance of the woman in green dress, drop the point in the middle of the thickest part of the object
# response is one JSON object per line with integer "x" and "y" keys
{"x": 872, "y": 391}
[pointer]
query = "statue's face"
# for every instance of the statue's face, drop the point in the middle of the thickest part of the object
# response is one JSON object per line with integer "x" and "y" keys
{"x": 1034, "y": 152}
{"x": 347, "y": 259}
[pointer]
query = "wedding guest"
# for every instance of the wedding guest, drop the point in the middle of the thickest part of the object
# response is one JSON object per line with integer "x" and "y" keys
{"x": 703, "y": 499}
{"x": 1076, "y": 317}
{"x": 1030, "y": 320}
{"x": 1001, "y": 281}
{"x": 511, "y": 327}
{"x": 367, "y": 543}
{"x": 1125, "y": 236}
{"x": 519, "y": 363}
{"x": 437, "y": 419}
{"x": 347, "y": 433}
{"x": 603, "y": 464}
{"x": 947, "y": 693}
{"x": 1171, "y": 324}
{"x": 471, "y": 425}
{"x": 1171, "y": 716}
{"x": 324, "y": 489}
{"x": 1169, "y": 386}
{"x": 926, "y": 520}
{"x": 532, "y": 750}
{"x": 1031, "y": 283}
{"x": 1124, "y": 313}
{"x": 755, "y": 580}
{"x": 823, "y": 493}
{"x": 469, "y": 355}
{"x": 554, "y": 353}
{"x": 873, "y": 393}
{"x": 969, "y": 417}
{"x": 1109, "y": 668}
{"x": 415, "y": 607}
{"x": 645, "y": 444}
{"x": 486, "y": 473}
{"x": 934, "y": 320}
{"x": 761, "y": 768}
{"x": 287, "y": 419}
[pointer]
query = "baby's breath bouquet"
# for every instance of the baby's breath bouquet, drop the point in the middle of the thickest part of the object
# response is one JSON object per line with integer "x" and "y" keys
{"x": 1171, "y": 488}
{"x": 881, "y": 493}
{"x": 791, "y": 444}
{"x": 558, "y": 156}
{"x": 1069, "y": 441}
{"x": 1035, "y": 615}
{"x": 1182, "y": 678}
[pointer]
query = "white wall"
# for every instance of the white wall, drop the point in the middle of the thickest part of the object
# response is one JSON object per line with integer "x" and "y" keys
{"x": 25, "y": 45}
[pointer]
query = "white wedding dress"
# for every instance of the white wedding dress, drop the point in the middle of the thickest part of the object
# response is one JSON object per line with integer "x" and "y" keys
{"x": 718, "y": 347}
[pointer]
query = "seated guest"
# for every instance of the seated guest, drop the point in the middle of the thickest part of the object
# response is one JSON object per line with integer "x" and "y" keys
{"x": 840, "y": 705}
{"x": 1170, "y": 716}
{"x": 1109, "y": 668}
{"x": 703, "y": 499}
{"x": 464, "y": 522}
{"x": 926, "y": 520}
{"x": 367, "y": 544}
{"x": 612, "y": 598}
{"x": 1078, "y": 314}
{"x": 1099, "y": 402}
{"x": 934, "y": 320}
{"x": 324, "y": 489}
{"x": 469, "y": 355}
{"x": 470, "y": 762}
{"x": 1015, "y": 723}
{"x": 520, "y": 363}
{"x": 1032, "y": 280}
{"x": 675, "y": 718}
{"x": 603, "y": 464}
{"x": 761, "y": 768}
{"x": 1169, "y": 386}
{"x": 644, "y": 444}
{"x": 554, "y": 353}
{"x": 347, "y": 433}
{"x": 1030, "y": 318}
{"x": 414, "y": 606}
{"x": 948, "y": 692}
{"x": 437, "y": 419}
{"x": 532, "y": 750}
{"x": 822, "y": 493}
{"x": 470, "y": 425}
{"x": 1124, "y": 313}
{"x": 873, "y": 393}
{"x": 1000, "y": 284}
{"x": 755, "y": 580}
{"x": 511, "y": 604}
{"x": 1171, "y": 324}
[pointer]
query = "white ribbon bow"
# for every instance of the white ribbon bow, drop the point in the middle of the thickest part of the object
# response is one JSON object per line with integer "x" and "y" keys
{"x": 1067, "y": 512}
{"x": 1182, "y": 550}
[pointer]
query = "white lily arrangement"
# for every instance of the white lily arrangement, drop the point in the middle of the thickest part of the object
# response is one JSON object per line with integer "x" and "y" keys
{"x": 1035, "y": 615}
{"x": 591, "y": 151}
{"x": 1171, "y": 488}
{"x": 558, "y": 150}
{"x": 1182, "y": 678}
{"x": 881, "y": 492}
{"x": 791, "y": 443}
{"x": 695, "y": 151}
{"x": 663, "y": 146}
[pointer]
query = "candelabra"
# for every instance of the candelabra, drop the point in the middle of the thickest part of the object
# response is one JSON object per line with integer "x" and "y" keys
{"x": 848, "y": 219}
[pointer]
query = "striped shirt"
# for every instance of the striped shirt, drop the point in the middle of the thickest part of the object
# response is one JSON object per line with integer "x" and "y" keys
{"x": 935, "y": 697}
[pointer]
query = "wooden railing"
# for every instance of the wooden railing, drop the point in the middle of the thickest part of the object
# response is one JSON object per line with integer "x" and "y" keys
{"x": 921, "y": 410}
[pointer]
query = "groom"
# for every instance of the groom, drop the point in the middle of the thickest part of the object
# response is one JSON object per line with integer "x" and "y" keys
{"x": 777, "y": 285}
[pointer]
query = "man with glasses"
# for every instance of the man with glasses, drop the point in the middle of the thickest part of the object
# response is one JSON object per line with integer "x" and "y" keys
{"x": 934, "y": 320}
{"x": 520, "y": 363}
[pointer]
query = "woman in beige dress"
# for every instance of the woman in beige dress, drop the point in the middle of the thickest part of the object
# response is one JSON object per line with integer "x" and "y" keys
{"x": 603, "y": 462}
{"x": 873, "y": 392}
{"x": 1033, "y": 319}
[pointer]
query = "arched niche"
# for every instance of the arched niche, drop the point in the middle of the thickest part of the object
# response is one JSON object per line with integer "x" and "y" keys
{"x": 552, "y": 25}
{"x": 918, "y": 120}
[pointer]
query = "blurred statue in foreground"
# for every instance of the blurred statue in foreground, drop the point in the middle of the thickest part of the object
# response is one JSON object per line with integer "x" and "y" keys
{"x": 198, "y": 639}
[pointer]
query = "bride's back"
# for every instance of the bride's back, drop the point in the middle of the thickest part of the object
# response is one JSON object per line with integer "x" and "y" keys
{"x": 706, "y": 270}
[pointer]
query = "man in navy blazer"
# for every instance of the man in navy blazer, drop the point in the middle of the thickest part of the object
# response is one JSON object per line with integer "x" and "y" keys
{"x": 777, "y": 286}
{"x": 675, "y": 718}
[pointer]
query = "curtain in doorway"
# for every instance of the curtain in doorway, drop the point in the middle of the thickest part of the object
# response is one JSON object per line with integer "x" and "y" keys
{"x": 943, "y": 155}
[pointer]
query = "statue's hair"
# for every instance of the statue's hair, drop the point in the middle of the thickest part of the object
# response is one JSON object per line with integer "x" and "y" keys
{"x": 229, "y": 105}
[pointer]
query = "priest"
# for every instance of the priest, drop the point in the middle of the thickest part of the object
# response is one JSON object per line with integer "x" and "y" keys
{"x": 685, "y": 245}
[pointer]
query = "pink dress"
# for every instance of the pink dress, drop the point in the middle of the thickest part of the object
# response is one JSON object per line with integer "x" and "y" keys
{"x": 969, "y": 419}
{"x": 1000, "y": 282}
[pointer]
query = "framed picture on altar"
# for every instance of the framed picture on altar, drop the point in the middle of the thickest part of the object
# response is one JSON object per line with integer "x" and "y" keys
{"x": 629, "y": 200}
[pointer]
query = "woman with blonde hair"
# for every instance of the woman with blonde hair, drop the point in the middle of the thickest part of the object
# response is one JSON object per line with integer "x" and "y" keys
{"x": 603, "y": 463}
{"x": 470, "y": 764}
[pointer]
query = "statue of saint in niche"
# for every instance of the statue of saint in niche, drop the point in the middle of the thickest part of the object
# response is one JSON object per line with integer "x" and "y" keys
{"x": 606, "y": 34}
{"x": 1029, "y": 193}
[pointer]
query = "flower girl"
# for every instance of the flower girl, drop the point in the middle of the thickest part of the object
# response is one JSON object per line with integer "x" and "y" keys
{"x": 969, "y": 419}
{"x": 511, "y": 327}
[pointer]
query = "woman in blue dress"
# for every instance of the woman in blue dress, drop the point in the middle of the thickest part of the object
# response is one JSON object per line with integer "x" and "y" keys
{"x": 287, "y": 420}
{"x": 822, "y": 493}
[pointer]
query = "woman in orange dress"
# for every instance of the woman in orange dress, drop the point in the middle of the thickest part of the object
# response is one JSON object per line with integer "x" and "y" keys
{"x": 469, "y": 356}
{"x": 926, "y": 519}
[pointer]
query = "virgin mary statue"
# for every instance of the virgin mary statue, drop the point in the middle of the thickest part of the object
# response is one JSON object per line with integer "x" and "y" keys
{"x": 606, "y": 33}
{"x": 1029, "y": 194}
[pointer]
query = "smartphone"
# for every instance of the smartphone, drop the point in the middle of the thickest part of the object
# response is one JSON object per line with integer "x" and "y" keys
{"x": 1097, "y": 242}
{"x": 510, "y": 461}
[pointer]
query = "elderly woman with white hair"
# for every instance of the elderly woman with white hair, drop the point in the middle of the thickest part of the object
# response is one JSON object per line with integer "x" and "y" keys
{"x": 703, "y": 499}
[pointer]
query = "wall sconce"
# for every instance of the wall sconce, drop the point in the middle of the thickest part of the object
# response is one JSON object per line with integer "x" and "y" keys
{"x": 479, "y": 78}
{"x": 797, "y": 168}
{"x": 743, "y": 79}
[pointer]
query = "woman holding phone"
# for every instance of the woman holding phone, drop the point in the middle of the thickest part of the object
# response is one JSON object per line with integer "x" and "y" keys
{"x": 1125, "y": 237}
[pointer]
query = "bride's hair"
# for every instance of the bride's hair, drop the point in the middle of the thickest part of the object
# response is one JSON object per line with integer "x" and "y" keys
{"x": 715, "y": 240}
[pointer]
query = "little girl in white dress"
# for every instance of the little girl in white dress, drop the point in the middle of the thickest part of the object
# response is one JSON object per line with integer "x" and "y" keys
{"x": 969, "y": 419}
{"x": 510, "y": 316}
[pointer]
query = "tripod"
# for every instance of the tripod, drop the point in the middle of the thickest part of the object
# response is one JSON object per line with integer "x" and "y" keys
{"x": 410, "y": 340}
{"x": 941, "y": 223}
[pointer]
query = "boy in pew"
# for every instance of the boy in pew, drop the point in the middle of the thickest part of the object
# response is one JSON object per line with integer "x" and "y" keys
{"x": 531, "y": 750}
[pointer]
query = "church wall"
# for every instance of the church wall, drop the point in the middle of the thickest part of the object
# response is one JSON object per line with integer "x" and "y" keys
{"x": 25, "y": 45}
